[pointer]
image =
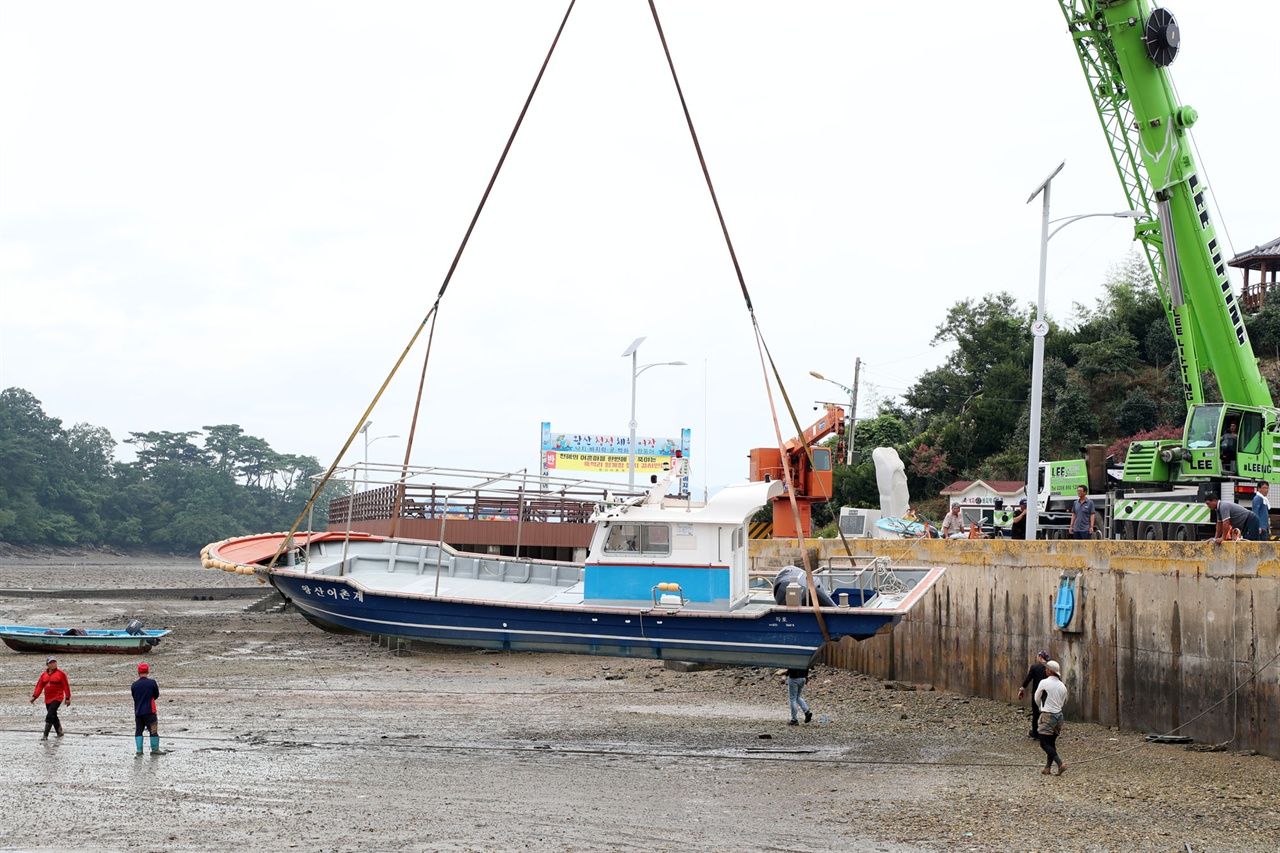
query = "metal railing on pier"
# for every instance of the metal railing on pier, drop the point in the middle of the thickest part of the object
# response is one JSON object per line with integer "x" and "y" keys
{"x": 380, "y": 492}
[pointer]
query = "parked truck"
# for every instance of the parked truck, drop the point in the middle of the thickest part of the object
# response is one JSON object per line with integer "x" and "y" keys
{"x": 1150, "y": 512}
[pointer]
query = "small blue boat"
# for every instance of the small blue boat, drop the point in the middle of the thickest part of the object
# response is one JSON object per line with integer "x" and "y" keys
{"x": 133, "y": 640}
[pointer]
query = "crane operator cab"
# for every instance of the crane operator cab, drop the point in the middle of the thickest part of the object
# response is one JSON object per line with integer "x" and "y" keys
{"x": 1227, "y": 446}
{"x": 1222, "y": 441}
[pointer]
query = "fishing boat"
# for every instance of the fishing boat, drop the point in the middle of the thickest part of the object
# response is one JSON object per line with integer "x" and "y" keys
{"x": 666, "y": 577}
{"x": 132, "y": 640}
{"x": 663, "y": 576}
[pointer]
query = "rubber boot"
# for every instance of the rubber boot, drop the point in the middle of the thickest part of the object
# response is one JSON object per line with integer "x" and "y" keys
{"x": 47, "y": 728}
{"x": 155, "y": 745}
{"x": 59, "y": 727}
{"x": 137, "y": 742}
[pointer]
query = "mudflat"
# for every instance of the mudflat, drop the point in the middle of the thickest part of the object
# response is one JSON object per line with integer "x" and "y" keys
{"x": 278, "y": 736}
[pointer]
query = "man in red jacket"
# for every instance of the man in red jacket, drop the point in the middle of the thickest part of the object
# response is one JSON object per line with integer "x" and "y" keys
{"x": 53, "y": 682}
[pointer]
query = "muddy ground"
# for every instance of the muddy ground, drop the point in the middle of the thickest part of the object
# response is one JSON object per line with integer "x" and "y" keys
{"x": 280, "y": 737}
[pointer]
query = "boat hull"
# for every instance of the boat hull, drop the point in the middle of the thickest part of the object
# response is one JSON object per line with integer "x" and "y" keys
{"x": 778, "y": 637}
{"x": 33, "y": 640}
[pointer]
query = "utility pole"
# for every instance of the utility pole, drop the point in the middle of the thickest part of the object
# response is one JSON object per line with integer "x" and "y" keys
{"x": 853, "y": 404}
{"x": 853, "y": 411}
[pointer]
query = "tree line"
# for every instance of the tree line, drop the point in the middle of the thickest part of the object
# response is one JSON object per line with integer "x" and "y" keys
{"x": 64, "y": 487}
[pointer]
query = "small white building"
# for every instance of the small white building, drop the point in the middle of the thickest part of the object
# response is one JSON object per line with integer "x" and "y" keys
{"x": 978, "y": 499}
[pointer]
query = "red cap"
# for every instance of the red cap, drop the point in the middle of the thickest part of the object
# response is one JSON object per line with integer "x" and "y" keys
{"x": 142, "y": 667}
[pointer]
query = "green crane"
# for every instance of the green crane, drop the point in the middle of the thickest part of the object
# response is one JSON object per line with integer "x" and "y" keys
{"x": 1125, "y": 48}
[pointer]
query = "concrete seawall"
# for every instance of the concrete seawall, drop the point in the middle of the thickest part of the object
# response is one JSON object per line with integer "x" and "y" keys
{"x": 1173, "y": 637}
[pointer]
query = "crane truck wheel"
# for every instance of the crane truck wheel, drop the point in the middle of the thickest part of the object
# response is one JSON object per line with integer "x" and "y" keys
{"x": 1151, "y": 531}
{"x": 1183, "y": 533}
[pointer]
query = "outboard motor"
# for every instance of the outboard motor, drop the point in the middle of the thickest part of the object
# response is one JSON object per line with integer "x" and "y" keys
{"x": 792, "y": 574}
{"x": 134, "y": 628}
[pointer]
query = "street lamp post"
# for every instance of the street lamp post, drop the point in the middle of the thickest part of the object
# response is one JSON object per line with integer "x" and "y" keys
{"x": 635, "y": 372}
{"x": 853, "y": 404}
{"x": 1040, "y": 328}
{"x": 364, "y": 430}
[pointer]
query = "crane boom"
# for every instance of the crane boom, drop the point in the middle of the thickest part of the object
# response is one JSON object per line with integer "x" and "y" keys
{"x": 1124, "y": 49}
{"x": 810, "y": 469}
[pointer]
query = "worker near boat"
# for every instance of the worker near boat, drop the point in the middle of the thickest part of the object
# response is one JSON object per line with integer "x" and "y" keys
{"x": 57, "y": 690}
{"x": 145, "y": 692}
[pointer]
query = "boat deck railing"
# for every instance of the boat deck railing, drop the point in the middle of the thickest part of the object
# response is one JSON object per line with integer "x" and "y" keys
{"x": 862, "y": 571}
{"x": 429, "y": 559}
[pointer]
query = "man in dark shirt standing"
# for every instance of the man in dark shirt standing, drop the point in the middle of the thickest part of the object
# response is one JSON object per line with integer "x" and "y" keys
{"x": 1035, "y": 675}
{"x": 1018, "y": 529}
{"x": 1082, "y": 512}
{"x": 796, "y": 679}
{"x": 145, "y": 692}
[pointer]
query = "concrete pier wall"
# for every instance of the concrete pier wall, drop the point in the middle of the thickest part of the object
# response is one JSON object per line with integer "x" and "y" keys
{"x": 1173, "y": 637}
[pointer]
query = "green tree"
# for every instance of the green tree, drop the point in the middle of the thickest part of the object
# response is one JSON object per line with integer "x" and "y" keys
{"x": 986, "y": 333}
{"x": 1114, "y": 353}
{"x": 884, "y": 430}
{"x": 1264, "y": 327}
{"x": 1138, "y": 412}
{"x": 1070, "y": 424}
{"x": 1130, "y": 300}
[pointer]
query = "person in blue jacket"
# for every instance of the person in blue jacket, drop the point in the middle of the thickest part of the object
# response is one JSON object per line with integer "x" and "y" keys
{"x": 1262, "y": 509}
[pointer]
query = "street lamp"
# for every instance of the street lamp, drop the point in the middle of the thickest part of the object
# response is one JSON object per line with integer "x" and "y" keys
{"x": 635, "y": 372}
{"x": 853, "y": 404}
{"x": 364, "y": 430}
{"x": 1040, "y": 328}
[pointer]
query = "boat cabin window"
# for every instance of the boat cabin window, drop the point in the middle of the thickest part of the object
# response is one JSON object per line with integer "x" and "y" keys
{"x": 638, "y": 539}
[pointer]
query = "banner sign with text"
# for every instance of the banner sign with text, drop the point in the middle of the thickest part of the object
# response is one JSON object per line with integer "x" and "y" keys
{"x": 608, "y": 454}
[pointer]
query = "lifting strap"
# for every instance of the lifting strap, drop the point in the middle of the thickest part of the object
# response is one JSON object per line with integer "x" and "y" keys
{"x": 431, "y": 314}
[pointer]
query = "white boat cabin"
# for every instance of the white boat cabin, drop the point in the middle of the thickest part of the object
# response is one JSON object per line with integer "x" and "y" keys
{"x": 668, "y": 545}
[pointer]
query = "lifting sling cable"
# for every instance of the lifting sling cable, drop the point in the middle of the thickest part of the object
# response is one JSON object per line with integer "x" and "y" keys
{"x": 742, "y": 284}
{"x": 434, "y": 308}
{"x": 701, "y": 160}
{"x": 328, "y": 475}
{"x": 413, "y": 428}
{"x": 763, "y": 351}
{"x": 511, "y": 139}
{"x": 506, "y": 149}
{"x": 808, "y": 451}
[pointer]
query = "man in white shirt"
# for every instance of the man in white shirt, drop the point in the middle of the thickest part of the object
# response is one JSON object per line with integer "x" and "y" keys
{"x": 953, "y": 523}
{"x": 1051, "y": 695}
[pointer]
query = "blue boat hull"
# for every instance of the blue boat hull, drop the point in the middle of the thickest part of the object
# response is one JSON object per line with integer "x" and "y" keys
{"x": 780, "y": 637}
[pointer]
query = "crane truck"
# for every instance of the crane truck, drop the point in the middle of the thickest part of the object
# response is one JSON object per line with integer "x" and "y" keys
{"x": 1125, "y": 48}
{"x": 810, "y": 483}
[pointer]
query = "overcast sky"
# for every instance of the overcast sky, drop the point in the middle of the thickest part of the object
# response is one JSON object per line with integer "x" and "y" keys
{"x": 238, "y": 212}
